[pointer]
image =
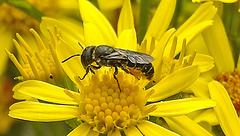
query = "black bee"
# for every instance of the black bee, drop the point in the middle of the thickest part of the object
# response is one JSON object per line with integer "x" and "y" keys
{"x": 135, "y": 63}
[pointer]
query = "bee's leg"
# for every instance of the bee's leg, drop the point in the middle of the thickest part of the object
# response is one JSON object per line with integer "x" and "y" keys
{"x": 87, "y": 70}
{"x": 114, "y": 75}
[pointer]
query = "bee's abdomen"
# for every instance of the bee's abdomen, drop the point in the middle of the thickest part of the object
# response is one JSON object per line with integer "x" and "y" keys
{"x": 146, "y": 69}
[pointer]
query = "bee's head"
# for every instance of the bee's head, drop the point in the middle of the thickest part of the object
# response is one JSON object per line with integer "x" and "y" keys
{"x": 86, "y": 57}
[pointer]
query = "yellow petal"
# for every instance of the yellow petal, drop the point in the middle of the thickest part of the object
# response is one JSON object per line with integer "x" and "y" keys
{"x": 132, "y": 131}
{"x": 93, "y": 133}
{"x": 106, "y": 5}
{"x": 93, "y": 35}
{"x": 116, "y": 132}
{"x": 205, "y": 116}
{"x": 127, "y": 40}
{"x": 83, "y": 130}
{"x": 72, "y": 67}
{"x": 44, "y": 91}
{"x": 125, "y": 20}
{"x": 92, "y": 15}
{"x": 224, "y": 110}
{"x": 218, "y": 46}
{"x": 70, "y": 30}
{"x": 200, "y": 87}
{"x": 35, "y": 111}
{"x": 185, "y": 126}
{"x": 204, "y": 62}
{"x": 151, "y": 129}
{"x": 200, "y": 20}
{"x": 161, "y": 19}
{"x": 174, "y": 83}
{"x": 180, "y": 107}
{"x": 197, "y": 44}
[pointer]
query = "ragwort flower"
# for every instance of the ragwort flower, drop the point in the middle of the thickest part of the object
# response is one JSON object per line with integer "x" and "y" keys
{"x": 41, "y": 65}
{"x": 226, "y": 75}
{"x": 100, "y": 104}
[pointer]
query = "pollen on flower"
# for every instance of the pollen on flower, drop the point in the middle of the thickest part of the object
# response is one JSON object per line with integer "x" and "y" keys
{"x": 36, "y": 65}
{"x": 231, "y": 82}
{"x": 107, "y": 106}
{"x": 18, "y": 21}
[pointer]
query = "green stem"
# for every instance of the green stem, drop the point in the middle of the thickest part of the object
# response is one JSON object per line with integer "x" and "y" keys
{"x": 143, "y": 21}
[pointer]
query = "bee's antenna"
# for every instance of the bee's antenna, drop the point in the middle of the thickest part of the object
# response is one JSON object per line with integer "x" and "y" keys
{"x": 80, "y": 45}
{"x": 70, "y": 57}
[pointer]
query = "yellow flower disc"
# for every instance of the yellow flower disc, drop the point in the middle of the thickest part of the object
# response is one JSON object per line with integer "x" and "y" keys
{"x": 107, "y": 106}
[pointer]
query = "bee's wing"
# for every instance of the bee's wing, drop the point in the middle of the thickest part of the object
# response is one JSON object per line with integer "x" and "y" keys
{"x": 115, "y": 55}
{"x": 135, "y": 57}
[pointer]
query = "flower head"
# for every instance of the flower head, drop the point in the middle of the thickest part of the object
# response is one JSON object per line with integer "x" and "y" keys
{"x": 42, "y": 65}
{"x": 225, "y": 73}
{"x": 101, "y": 104}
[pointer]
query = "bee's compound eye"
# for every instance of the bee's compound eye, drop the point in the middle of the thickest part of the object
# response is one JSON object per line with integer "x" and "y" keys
{"x": 86, "y": 57}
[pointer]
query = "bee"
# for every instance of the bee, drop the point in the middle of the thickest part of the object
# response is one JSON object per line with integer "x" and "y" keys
{"x": 135, "y": 63}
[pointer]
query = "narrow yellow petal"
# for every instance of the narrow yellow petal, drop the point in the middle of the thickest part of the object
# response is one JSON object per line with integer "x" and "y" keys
{"x": 180, "y": 107}
{"x": 72, "y": 67}
{"x": 116, "y": 132}
{"x": 151, "y": 129}
{"x": 218, "y": 46}
{"x": 200, "y": 20}
{"x": 161, "y": 19}
{"x": 93, "y": 133}
{"x": 125, "y": 20}
{"x": 174, "y": 83}
{"x": 35, "y": 111}
{"x": 127, "y": 40}
{"x": 93, "y": 35}
{"x": 185, "y": 126}
{"x": 44, "y": 91}
{"x": 200, "y": 87}
{"x": 91, "y": 14}
{"x": 132, "y": 131}
{"x": 197, "y": 44}
{"x": 83, "y": 130}
{"x": 71, "y": 30}
{"x": 208, "y": 116}
{"x": 224, "y": 110}
{"x": 204, "y": 62}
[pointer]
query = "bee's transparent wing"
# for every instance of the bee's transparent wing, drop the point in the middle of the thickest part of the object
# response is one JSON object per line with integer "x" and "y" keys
{"x": 135, "y": 57}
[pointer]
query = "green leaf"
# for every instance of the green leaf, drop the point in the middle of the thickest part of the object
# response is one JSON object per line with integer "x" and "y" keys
{"x": 26, "y": 7}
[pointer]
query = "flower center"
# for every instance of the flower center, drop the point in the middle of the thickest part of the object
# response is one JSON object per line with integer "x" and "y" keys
{"x": 231, "y": 82}
{"x": 106, "y": 108}
{"x": 18, "y": 21}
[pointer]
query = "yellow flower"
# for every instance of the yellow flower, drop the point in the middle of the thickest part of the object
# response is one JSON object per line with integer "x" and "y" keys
{"x": 13, "y": 20}
{"x": 217, "y": 45}
{"x": 99, "y": 103}
{"x": 42, "y": 65}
